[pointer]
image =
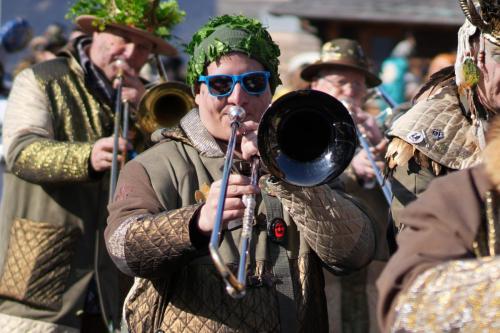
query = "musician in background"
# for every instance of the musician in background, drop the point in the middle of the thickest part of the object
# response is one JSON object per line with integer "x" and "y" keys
{"x": 343, "y": 72}
{"x": 166, "y": 199}
{"x": 55, "y": 273}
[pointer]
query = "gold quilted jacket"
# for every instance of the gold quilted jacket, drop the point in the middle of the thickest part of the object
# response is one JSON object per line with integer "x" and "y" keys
{"x": 52, "y": 208}
{"x": 150, "y": 236}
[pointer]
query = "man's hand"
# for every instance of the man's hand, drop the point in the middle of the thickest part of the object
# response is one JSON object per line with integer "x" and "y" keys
{"x": 234, "y": 208}
{"x": 248, "y": 132}
{"x": 132, "y": 90}
{"x": 132, "y": 87}
{"x": 367, "y": 125}
{"x": 102, "y": 153}
{"x": 361, "y": 164}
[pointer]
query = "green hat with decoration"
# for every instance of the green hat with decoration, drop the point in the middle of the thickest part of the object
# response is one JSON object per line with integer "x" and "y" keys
{"x": 149, "y": 19}
{"x": 232, "y": 33}
{"x": 341, "y": 53}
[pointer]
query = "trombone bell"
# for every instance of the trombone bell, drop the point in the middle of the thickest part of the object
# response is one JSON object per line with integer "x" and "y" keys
{"x": 306, "y": 138}
{"x": 164, "y": 105}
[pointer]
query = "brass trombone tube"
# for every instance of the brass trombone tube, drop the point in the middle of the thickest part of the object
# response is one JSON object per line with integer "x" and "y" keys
{"x": 247, "y": 224}
{"x": 388, "y": 99}
{"x": 384, "y": 185}
{"x": 164, "y": 103}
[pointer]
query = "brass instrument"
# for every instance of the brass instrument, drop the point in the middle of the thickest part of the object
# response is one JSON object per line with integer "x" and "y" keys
{"x": 164, "y": 104}
{"x": 305, "y": 138}
{"x": 366, "y": 145}
{"x": 121, "y": 111}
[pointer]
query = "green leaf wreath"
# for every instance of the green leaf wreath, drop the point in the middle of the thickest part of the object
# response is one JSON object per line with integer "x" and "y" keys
{"x": 258, "y": 44}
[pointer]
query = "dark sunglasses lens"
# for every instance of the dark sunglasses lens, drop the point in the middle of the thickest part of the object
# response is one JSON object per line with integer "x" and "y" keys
{"x": 220, "y": 85}
{"x": 255, "y": 82}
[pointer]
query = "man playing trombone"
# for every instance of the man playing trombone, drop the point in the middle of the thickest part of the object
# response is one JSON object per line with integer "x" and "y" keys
{"x": 343, "y": 72}
{"x": 55, "y": 273}
{"x": 167, "y": 201}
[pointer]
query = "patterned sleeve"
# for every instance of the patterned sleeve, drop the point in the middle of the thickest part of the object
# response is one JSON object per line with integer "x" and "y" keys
{"x": 338, "y": 231}
{"x": 142, "y": 238}
{"x": 28, "y": 138}
{"x": 459, "y": 295}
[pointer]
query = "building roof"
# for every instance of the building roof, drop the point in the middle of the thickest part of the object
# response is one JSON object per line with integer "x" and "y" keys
{"x": 413, "y": 12}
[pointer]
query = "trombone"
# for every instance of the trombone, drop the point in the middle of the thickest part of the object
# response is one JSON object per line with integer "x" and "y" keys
{"x": 162, "y": 105}
{"x": 121, "y": 111}
{"x": 305, "y": 138}
{"x": 363, "y": 141}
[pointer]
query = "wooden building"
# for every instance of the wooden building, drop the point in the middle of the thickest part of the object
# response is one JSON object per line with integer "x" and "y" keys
{"x": 380, "y": 24}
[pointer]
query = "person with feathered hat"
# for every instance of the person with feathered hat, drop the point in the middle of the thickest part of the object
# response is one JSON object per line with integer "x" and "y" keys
{"x": 445, "y": 275}
{"x": 164, "y": 212}
{"x": 445, "y": 130}
{"x": 55, "y": 274}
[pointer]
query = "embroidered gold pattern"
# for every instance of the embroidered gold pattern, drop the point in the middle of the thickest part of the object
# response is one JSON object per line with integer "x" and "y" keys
{"x": 68, "y": 94}
{"x": 55, "y": 161}
{"x": 490, "y": 220}
{"x": 79, "y": 119}
{"x": 459, "y": 295}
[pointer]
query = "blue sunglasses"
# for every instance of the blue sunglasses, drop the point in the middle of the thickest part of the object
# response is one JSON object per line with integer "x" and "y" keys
{"x": 254, "y": 83}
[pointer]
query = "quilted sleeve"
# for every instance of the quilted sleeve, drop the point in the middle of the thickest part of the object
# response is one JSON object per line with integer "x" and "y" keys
{"x": 338, "y": 231}
{"x": 142, "y": 238}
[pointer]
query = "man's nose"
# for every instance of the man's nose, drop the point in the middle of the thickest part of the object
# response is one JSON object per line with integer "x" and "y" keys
{"x": 129, "y": 53}
{"x": 238, "y": 96}
{"x": 349, "y": 90}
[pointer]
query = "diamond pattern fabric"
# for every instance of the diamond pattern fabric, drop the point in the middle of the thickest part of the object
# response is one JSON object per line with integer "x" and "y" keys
{"x": 38, "y": 263}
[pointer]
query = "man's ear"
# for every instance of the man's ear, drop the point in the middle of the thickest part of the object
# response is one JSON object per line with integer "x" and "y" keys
{"x": 196, "y": 92}
{"x": 196, "y": 88}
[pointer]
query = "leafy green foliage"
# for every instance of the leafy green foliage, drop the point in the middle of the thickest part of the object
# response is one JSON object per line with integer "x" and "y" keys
{"x": 155, "y": 16}
{"x": 257, "y": 44}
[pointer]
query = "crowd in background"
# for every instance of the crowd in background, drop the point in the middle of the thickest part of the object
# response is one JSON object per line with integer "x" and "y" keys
{"x": 402, "y": 72}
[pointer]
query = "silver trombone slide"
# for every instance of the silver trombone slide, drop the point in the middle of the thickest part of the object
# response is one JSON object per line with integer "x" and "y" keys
{"x": 235, "y": 286}
{"x": 121, "y": 115}
{"x": 384, "y": 185}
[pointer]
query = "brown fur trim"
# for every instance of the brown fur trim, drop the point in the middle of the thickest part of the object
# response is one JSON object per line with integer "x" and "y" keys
{"x": 492, "y": 152}
{"x": 399, "y": 152}
{"x": 175, "y": 133}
